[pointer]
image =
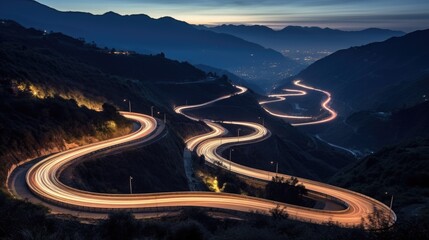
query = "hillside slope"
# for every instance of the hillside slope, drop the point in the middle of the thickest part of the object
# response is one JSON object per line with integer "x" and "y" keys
{"x": 380, "y": 91}
{"x": 396, "y": 70}
{"x": 46, "y": 92}
{"x": 374, "y": 130}
{"x": 400, "y": 170}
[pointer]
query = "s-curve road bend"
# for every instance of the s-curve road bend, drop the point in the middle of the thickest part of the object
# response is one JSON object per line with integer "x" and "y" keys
{"x": 293, "y": 92}
{"x": 211, "y": 145}
{"x": 43, "y": 181}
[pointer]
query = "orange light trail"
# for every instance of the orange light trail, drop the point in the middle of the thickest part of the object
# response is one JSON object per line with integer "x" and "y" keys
{"x": 43, "y": 178}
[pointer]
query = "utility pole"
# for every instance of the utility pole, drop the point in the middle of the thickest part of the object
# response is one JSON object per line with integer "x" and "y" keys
{"x": 277, "y": 167}
{"x": 238, "y": 134}
{"x": 131, "y": 185}
{"x": 129, "y": 104}
{"x": 230, "y": 158}
{"x": 391, "y": 200}
{"x": 263, "y": 121}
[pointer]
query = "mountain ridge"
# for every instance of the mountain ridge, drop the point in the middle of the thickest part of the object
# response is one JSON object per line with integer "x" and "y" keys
{"x": 246, "y": 31}
{"x": 305, "y": 44}
{"x": 177, "y": 39}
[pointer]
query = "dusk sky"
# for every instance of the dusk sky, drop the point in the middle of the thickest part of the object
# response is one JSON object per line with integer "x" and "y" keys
{"x": 406, "y": 15}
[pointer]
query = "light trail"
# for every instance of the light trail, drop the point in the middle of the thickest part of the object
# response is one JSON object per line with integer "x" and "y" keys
{"x": 282, "y": 97}
{"x": 358, "y": 205}
{"x": 217, "y": 130}
{"x": 43, "y": 179}
{"x": 180, "y": 109}
{"x": 325, "y": 105}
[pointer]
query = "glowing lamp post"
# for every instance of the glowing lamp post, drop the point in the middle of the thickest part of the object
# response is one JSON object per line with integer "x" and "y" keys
{"x": 277, "y": 167}
{"x": 129, "y": 104}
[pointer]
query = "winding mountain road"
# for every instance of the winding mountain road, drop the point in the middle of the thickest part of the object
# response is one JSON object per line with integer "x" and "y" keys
{"x": 43, "y": 178}
{"x": 293, "y": 92}
{"x": 210, "y": 145}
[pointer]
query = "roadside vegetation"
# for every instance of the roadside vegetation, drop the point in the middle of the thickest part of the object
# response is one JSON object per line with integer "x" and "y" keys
{"x": 21, "y": 220}
{"x": 31, "y": 127}
{"x": 218, "y": 179}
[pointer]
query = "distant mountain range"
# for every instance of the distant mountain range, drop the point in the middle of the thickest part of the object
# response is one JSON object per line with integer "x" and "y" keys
{"x": 177, "y": 39}
{"x": 293, "y": 38}
{"x": 385, "y": 75}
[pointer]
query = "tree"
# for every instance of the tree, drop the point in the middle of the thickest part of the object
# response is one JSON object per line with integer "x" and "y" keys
{"x": 279, "y": 213}
{"x": 285, "y": 190}
{"x": 161, "y": 55}
{"x": 377, "y": 221}
{"x": 109, "y": 110}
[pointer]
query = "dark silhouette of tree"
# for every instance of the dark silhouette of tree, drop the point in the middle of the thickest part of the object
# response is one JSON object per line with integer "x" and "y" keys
{"x": 161, "y": 55}
{"x": 279, "y": 213}
{"x": 285, "y": 190}
{"x": 109, "y": 110}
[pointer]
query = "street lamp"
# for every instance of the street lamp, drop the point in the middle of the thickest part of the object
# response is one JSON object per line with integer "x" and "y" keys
{"x": 151, "y": 111}
{"x": 277, "y": 167}
{"x": 165, "y": 118}
{"x": 391, "y": 200}
{"x": 263, "y": 121}
{"x": 131, "y": 185}
{"x": 129, "y": 104}
{"x": 230, "y": 157}
{"x": 238, "y": 134}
